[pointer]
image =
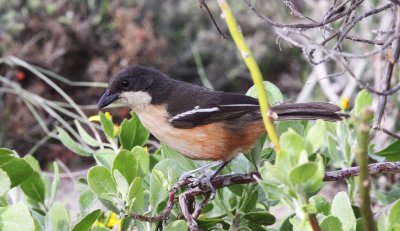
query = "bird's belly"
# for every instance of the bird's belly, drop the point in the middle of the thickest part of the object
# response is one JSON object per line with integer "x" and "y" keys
{"x": 207, "y": 142}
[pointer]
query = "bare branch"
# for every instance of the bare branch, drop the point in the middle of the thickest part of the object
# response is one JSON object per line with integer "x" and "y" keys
{"x": 239, "y": 178}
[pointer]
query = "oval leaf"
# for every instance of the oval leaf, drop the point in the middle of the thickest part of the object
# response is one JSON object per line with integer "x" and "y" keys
{"x": 125, "y": 162}
{"x": 274, "y": 95}
{"x": 107, "y": 124}
{"x": 261, "y": 218}
{"x": 363, "y": 100}
{"x": 132, "y": 133}
{"x": 176, "y": 225}
{"x": 136, "y": 196}
{"x": 87, "y": 222}
{"x": 303, "y": 173}
{"x": 341, "y": 208}
{"x": 101, "y": 182}
{"x": 331, "y": 223}
{"x": 5, "y": 183}
{"x": 392, "y": 152}
{"x": 17, "y": 170}
{"x": 58, "y": 217}
{"x": 68, "y": 142}
{"x": 34, "y": 187}
{"x": 11, "y": 218}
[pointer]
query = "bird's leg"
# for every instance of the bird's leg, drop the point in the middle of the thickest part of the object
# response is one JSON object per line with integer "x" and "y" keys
{"x": 189, "y": 178}
{"x": 190, "y": 174}
{"x": 206, "y": 181}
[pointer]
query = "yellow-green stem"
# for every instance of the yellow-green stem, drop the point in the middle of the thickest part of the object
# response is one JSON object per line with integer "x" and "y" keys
{"x": 253, "y": 68}
{"x": 363, "y": 127}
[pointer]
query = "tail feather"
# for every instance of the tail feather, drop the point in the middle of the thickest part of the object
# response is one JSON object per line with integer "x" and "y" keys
{"x": 309, "y": 111}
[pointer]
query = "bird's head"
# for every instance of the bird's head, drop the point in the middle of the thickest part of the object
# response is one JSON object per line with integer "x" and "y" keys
{"x": 134, "y": 85}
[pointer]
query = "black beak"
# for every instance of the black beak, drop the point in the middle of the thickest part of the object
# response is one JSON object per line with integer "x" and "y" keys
{"x": 106, "y": 99}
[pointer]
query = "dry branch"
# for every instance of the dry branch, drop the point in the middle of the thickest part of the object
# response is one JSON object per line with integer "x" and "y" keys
{"x": 239, "y": 178}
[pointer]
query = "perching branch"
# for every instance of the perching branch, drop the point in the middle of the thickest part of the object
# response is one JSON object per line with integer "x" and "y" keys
{"x": 239, "y": 178}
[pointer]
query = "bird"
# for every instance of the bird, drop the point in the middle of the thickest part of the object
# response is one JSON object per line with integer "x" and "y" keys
{"x": 198, "y": 122}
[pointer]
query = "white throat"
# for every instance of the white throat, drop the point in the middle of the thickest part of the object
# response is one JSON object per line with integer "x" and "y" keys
{"x": 135, "y": 99}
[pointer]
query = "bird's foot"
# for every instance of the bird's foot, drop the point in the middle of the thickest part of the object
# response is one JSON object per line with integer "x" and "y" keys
{"x": 204, "y": 182}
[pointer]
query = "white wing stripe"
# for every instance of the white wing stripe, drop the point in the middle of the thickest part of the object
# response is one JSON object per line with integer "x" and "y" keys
{"x": 238, "y": 105}
{"x": 196, "y": 109}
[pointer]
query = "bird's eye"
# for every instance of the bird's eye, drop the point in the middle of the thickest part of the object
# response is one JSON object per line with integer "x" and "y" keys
{"x": 125, "y": 84}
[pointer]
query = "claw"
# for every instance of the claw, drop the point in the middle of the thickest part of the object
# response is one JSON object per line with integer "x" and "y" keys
{"x": 204, "y": 180}
{"x": 206, "y": 184}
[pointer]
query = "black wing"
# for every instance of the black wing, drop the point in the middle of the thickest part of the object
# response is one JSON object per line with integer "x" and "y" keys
{"x": 208, "y": 107}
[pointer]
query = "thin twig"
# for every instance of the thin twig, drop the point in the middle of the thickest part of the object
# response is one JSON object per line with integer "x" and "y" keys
{"x": 390, "y": 133}
{"x": 314, "y": 222}
{"x": 204, "y": 4}
{"x": 388, "y": 76}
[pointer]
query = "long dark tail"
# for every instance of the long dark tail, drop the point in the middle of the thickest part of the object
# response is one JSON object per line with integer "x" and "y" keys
{"x": 309, "y": 111}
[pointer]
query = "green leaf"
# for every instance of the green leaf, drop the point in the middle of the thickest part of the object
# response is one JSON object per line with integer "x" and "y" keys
{"x": 251, "y": 202}
{"x": 5, "y": 156}
{"x": 16, "y": 218}
{"x": 274, "y": 95}
{"x": 341, "y": 208}
{"x": 87, "y": 222}
{"x": 316, "y": 180}
{"x": 158, "y": 193}
{"x": 105, "y": 157}
{"x": 286, "y": 224}
{"x": 100, "y": 229}
{"x": 55, "y": 182}
{"x": 363, "y": 99}
{"x": 132, "y": 133}
{"x": 184, "y": 162}
{"x": 391, "y": 153}
{"x": 101, "y": 182}
{"x": 136, "y": 196}
{"x": 143, "y": 160}
{"x": 254, "y": 155}
{"x": 237, "y": 189}
{"x": 122, "y": 184}
{"x": 32, "y": 162}
{"x": 88, "y": 139}
{"x": 17, "y": 170}
{"x": 261, "y": 218}
{"x": 38, "y": 226}
{"x": 107, "y": 124}
{"x": 360, "y": 224}
{"x": 39, "y": 220}
{"x": 331, "y": 223}
{"x": 293, "y": 144}
{"x": 302, "y": 173}
{"x": 34, "y": 187}
{"x": 68, "y": 142}
{"x": 6, "y": 152}
{"x": 317, "y": 134}
{"x": 164, "y": 174}
{"x": 5, "y": 183}
{"x": 321, "y": 204}
{"x": 126, "y": 163}
{"x": 394, "y": 215}
{"x": 209, "y": 223}
{"x": 87, "y": 200}
{"x": 58, "y": 217}
{"x": 283, "y": 126}
{"x": 176, "y": 225}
